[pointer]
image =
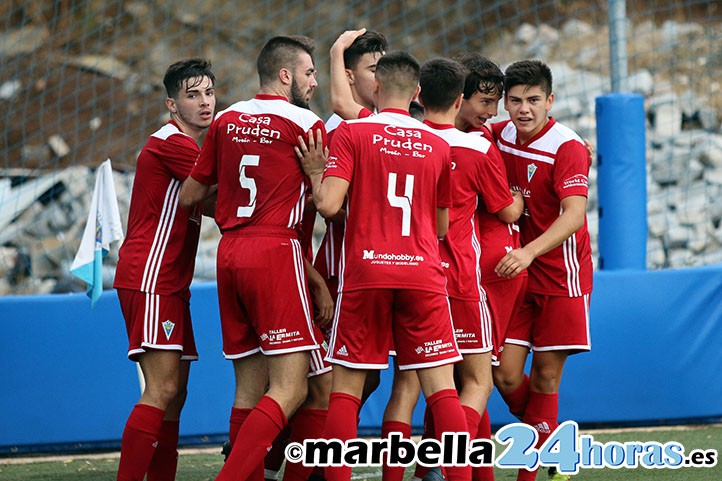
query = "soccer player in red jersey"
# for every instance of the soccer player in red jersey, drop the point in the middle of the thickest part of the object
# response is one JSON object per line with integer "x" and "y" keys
{"x": 479, "y": 188}
{"x": 353, "y": 58}
{"x": 249, "y": 152}
{"x": 155, "y": 269}
{"x": 549, "y": 164}
{"x": 498, "y": 231}
{"x": 396, "y": 173}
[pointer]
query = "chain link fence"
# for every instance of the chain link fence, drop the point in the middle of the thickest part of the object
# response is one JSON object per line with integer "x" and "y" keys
{"x": 81, "y": 82}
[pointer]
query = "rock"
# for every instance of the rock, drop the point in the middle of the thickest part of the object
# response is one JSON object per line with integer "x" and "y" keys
{"x": 8, "y": 258}
{"x": 575, "y": 28}
{"x": 102, "y": 64}
{"x": 676, "y": 236}
{"x": 656, "y": 257}
{"x": 708, "y": 118}
{"x": 58, "y": 145}
{"x": 679, "y": 258}
{"x": 526, "y": 33}
{"x": 657, "y": 224}
{"x": 35, "y": 154}
{"x": 10, "y": 89}
{"x": 641, "y": 82}
{"x": 22, "y": 41}
{"x": 667, "y": 119}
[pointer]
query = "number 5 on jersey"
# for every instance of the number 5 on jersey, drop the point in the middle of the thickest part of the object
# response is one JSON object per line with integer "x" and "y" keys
{"x": 403, "y": 202}
{"x": 247, "y": 183}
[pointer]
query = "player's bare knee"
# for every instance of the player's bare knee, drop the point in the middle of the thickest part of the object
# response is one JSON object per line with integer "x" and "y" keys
{"x": 319, "y": 391}
{"x": 505, "y": 381}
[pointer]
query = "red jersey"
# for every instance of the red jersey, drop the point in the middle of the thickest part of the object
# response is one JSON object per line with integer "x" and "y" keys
{"x": 399, "y": 173}
{"x": 470, "y": 178}
{"x": 549, "y": 167}
{"x": 495, "y": 236}
{"x": 249, "y": 152}
{"x": 158, "y": 253}
{"x": 329, "y": 254}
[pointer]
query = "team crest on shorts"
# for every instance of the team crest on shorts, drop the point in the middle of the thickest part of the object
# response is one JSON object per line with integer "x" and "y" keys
{"x": 168, "y": 328}
{"x": 530, "y": 169}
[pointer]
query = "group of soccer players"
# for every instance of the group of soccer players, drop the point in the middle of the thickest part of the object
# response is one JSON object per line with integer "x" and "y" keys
{"x": 451, "y": 244}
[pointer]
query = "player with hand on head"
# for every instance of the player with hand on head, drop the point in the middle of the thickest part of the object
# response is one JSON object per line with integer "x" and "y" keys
{"x": 154, "y": 273}
{"x": 391, "y": 284}
{"x": 250, "y": 153}
{"x": 549, "y": 164}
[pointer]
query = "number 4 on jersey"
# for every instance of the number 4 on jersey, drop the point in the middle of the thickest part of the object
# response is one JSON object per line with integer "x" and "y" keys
{"x": 403, "y": 202}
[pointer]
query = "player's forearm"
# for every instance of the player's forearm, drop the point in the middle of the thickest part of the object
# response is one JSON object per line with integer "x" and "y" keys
{"x": 209, "y": 202}
{"x": 512, "y": 212}
{"x": 325, "y": 204}
{"x": 570, "y": 221}
{"x": 342, "y": 100}
{"x": 442, "y": 221}
{"x": 192, "y": 192}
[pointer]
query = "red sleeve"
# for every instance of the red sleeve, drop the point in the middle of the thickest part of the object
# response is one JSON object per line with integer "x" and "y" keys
{"x": 340, "y": 162}
{"x": 571, "y": 169}
{"x": 492, "y": 181}
{"x": 363, "y": 113}
{"x": 178, "y": 154}
{"x": 206, "y": 168}
{"x": 443, "y": 188}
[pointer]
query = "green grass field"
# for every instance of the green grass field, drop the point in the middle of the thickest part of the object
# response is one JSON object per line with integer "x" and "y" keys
{"x": 203, "y": 465}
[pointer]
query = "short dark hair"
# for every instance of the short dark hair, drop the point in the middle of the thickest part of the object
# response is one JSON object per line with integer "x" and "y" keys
{"x": 281, "y": 52}
{"x": 370, "y": 42}
{"x": 398, "y": 72}
{"x": 531, "y": 73}
{"x": 484, "y": 75}
{"x": 416, "y": 110}
{"x": 184, "y": 70}
{"x": 442, "y": 81}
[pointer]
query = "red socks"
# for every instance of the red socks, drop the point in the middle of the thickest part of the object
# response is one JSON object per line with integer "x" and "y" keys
{"x": 165, "y": 460}
{"x": 429, "y": 429}
{"x": 253, "y": 441}
{"x": 275, "y": 457}
{"x": 140, "y": 439}
{"x": 394, "y": 473}
{"x": 449, "y": 417}
{"x": 542, "y": 413}
{"x": 305, "y": 424}
{"x": 341, "y": 424}
{"x": 518, "y": 398}
{"x": 483, "y": 473}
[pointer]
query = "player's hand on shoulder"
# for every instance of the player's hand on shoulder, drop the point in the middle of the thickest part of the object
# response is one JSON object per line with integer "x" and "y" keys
{"x": 312, "y": 153}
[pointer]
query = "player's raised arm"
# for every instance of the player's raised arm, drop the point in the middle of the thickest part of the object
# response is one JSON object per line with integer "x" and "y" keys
{"x": 342, "y": 100}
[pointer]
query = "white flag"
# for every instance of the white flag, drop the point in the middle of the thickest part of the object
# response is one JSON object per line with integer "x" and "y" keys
{"x": 102, "y": 228}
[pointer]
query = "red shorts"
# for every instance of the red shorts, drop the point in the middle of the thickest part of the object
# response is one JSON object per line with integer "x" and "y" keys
{"x": 154, "y": 321}
{"x": 504, "y": 298}
{"x": 263, "y": 297}
{"x": 472, "y": 325}
{"x": 418, "y": 321}
{"x": 318, "y": 363}
{"x": 552, "y": 323}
